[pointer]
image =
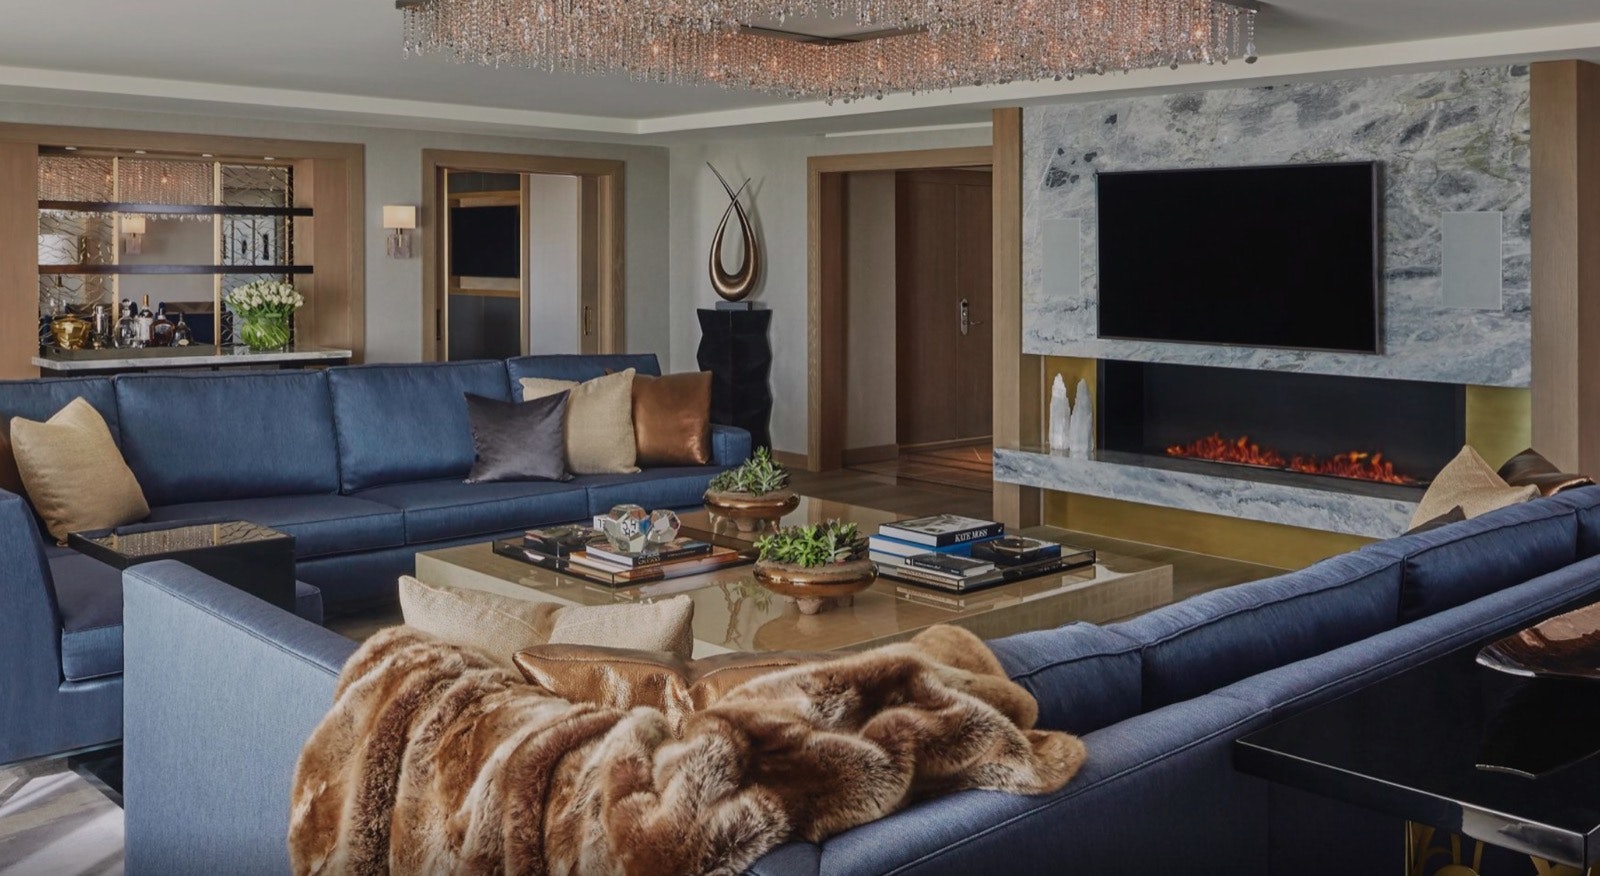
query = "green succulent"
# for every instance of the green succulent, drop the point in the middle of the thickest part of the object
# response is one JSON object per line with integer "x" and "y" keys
{"x": 758, "y": 476}
{"x": 819, "y": 544}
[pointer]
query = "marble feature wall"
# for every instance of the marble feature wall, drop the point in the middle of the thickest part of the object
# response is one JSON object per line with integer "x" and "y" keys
{"x": 1449, "y": 142}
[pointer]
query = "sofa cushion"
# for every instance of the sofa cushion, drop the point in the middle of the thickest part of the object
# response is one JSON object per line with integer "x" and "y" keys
{"x": 89, "y": 594}
{"x": 1586, "y": 502}
{"x": 654, "y": 488}
{"x": 205, "y": 437}
{"x": 450, "y": 509}
{"x": 321, "y": 525}
{"x": 730, "y": 446}
{"x": 580, "y": 368}
{"x": 42, "y": 399}
{"x": 74, "y": 473}
{"x": 1196, "y": 646}
{"x": 1454, "y": 565}
{"x": 600, "y": 435}
{"x": 1084, "y": 677}
{"x": 398, "y": 424}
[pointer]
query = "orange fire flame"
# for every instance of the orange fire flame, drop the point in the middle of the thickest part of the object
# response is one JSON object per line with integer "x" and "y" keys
{"x": 1355, "y": 465}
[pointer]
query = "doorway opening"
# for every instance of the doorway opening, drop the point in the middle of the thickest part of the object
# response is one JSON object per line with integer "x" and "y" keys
{"x": 905, "y": 290}
{"x": 522, "y": 255}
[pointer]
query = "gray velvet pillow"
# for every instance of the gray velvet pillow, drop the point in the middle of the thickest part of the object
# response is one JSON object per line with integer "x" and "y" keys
{"x": 518, "y": 442}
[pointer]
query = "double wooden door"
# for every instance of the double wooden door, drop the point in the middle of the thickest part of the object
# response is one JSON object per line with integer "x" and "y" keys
{"x": 944, "y": 256}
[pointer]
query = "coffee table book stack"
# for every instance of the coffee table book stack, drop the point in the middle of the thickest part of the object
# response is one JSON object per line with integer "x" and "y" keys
{"x": 585, "y": 553}
{"x": 963, "y": 554}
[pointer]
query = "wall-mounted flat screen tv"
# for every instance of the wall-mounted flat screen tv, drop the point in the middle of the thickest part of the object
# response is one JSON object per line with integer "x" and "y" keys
{"x": 1257, "y": 256}
{"x": 486, "y": 241}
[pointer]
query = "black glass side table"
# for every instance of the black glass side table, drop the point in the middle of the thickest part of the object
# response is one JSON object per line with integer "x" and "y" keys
{"x": 253, "y": 558}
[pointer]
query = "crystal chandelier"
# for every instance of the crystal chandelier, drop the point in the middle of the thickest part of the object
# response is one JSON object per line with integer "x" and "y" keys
{"x": 833, "y": 49}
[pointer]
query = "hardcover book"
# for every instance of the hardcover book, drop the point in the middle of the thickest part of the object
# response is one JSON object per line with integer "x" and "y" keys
{"x": 886, "y": 545}
{"x": 942, "y": 530}
{"x": 559, "y": 541}
{"x": 677, "y": 549}
{"x": 957, "y": 567}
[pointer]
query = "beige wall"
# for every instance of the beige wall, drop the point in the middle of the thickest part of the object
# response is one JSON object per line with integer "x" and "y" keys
{"x": 870, "y": 350}
{"x": 394, "y": 176}
{"x": 553, "y": 263}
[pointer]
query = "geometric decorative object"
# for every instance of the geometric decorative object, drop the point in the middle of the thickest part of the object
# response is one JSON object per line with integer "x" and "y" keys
{"x": 738, "y": 285}
{"x": 736, "y": 349}
{"x": 833, "y": 49}
{"x": 627, "y": 527}
{"x": 664, "y": 527}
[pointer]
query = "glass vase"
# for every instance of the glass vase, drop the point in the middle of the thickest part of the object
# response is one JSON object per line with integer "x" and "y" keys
{"x": 264, "y": 332}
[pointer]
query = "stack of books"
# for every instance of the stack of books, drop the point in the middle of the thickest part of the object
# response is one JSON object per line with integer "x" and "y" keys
{"x": 962, "y": 554}
{"x": 581, "y": 550}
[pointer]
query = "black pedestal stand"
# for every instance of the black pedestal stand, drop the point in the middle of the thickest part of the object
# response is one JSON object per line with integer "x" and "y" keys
{"x": 735, "y": 348}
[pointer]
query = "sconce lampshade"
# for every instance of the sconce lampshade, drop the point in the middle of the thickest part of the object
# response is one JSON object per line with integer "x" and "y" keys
{"x": 402, "y": 216}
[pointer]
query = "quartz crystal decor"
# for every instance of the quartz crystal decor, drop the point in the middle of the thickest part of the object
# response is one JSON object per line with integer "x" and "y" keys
{"x": 1080, "y": 429}
{"x": 1060, "y": 415}
{"x": 833, "y": 49}
{"x": 664, "y": 527}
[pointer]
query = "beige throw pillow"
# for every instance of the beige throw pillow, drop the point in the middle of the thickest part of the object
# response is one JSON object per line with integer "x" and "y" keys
{"x": 1472, "y": 484}
{"x": 600, "y": 437}
{"x": 75, "y": 475}
{"x": 500, "y": 626}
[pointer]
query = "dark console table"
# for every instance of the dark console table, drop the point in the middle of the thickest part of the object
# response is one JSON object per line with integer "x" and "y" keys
{"x": 1453, "y": 746}
{"x": 736, "y": 349}
{"x": 255, "y": 559}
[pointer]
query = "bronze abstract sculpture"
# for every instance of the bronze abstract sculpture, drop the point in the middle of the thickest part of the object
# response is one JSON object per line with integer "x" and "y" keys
{"x": 738, "y": 285}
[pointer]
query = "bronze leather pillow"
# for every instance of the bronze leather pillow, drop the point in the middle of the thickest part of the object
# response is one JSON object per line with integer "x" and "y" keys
{"x": 672, "y": 419}
{"x": 1530, "y": 468}
{"x": 624, "y": 679}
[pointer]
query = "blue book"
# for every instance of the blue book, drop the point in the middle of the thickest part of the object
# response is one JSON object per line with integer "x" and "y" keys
{"x": 883, "y": 544}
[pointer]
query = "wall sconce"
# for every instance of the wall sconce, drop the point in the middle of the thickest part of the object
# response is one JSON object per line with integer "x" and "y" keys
{"x": 133, "y": 235}
{"x": 400, "y": 220}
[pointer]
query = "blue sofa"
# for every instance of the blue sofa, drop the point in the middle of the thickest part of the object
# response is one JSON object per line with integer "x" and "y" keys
{"x": 217, "y": 715}
{"x": 364, "y": 466}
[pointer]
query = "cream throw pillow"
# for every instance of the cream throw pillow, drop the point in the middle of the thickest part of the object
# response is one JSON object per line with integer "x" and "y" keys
{"x": 1471, "y": 483}
{"x": 75, "y": 475}
{"x": 500, "y": 626}
{"x": 600, "y": 436}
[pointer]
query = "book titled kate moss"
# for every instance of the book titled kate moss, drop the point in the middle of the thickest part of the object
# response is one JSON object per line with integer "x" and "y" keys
{"x": 942, "y": 530}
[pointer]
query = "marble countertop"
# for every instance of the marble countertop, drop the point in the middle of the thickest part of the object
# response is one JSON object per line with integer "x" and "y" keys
{"x": 185, "y": 357}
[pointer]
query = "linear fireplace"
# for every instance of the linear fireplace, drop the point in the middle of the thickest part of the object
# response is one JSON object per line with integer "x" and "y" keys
{"x": 1303, "y": 425}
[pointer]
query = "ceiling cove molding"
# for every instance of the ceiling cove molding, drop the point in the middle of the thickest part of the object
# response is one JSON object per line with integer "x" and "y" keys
{"x": 180, "y": 96}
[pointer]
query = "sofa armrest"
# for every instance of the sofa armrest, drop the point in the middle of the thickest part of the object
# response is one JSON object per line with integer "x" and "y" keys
{"x": 221, "y": 692}
{"x": 730, "y": 446}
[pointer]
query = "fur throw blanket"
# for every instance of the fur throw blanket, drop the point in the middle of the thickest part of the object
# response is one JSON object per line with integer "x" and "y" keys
{"x": 434, "y": 761}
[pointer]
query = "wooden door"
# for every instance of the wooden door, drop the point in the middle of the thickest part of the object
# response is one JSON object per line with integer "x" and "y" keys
{"x": 943, "y": 260}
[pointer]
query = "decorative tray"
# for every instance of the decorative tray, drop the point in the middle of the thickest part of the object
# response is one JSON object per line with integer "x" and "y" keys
{"x": 725, "y": 553}
{"x": 1566, "y": 646}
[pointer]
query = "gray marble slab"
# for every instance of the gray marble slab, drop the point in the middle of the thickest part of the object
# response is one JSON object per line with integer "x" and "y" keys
{"x": 200, "y": 358}
{"x": 1350, "y": 511}
{"x": 1454, "y": 141}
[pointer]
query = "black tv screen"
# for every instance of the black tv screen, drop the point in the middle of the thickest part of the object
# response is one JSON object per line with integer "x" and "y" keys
{"x": 486, "y": 241}
{"x": 1258, "y": 257}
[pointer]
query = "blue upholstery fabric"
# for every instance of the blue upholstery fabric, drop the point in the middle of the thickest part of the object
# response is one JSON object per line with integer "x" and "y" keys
{"x": 1586, "y": 502}
{"x": 308, "y": 602}
{"x": 730, "y": 446}
{"x": 653, "y": 488}
{"x": 41, "y": 399}
{"x": 321, "y": 525}
{"x": 402, "y": 423}
{"x": 204, "y": 437}
{"x": 579, "y": 368}
{"x": 223, "y": 690}
{"x": 1202, "y": 643}
{"x": 441, "y": 510}
{"x": 1084, "y": 677}
{"x": 352, "y": 582}
{"x": 1456, "y": 564}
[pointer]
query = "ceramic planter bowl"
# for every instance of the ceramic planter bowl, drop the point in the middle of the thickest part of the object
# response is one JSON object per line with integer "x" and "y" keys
{"x": 813, "y": 588}
{"x": 749, "y": 512}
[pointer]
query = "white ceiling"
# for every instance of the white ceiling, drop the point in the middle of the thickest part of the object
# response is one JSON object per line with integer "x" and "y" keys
{"x": 351, "y": 48}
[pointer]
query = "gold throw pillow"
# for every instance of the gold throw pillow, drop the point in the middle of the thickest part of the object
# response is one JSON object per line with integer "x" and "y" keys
{"x": 629, "y": 679}
{"x": 500, "y": 626}
{"x": 1470, "y": 482}
{"x": 600, "y": 437}
{"x": 74, "y": 474}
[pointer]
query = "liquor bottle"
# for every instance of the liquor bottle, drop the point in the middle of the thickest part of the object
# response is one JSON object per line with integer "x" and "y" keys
{"x": 146, "y": 320}
{"x": 127, "y": 332}
{"x": 182, "y": 335}
{"x": 161, "y": 329}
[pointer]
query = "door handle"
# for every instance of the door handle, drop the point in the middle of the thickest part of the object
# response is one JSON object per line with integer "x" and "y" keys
{"x": 967, "y": 322}
{"x": 588, "y": 321}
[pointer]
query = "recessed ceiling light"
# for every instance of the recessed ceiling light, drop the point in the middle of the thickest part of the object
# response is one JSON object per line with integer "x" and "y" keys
{"x": 72, "y": 149}
{"x": 138, "y": 152}
{"x": 268, "y": 158}
{"x": 205, "y": 155}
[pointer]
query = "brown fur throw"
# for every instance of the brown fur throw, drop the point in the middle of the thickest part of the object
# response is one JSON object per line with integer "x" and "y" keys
{"x": 434, "y": 761}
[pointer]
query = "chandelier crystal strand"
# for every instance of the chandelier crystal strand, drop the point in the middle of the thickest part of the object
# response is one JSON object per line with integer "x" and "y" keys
{"x": 922, "y": 45}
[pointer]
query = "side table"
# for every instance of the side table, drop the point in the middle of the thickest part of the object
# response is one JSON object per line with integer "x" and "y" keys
{"x": 253, "y": 558}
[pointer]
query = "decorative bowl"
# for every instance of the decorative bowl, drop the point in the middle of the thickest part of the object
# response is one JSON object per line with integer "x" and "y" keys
{"x": 814, "y": 587}
{"x": 749, "y": 512}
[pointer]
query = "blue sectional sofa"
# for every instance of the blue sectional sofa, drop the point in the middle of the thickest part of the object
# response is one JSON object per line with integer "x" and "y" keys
{"x": 216, "y": 716}
{"x": 364, "y": 466}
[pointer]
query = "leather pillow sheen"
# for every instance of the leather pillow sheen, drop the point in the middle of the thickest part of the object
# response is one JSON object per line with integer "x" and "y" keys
{"x": 1469, "y": 481}
{"x": 1531, "y": 468}
{"x": 600, "y": 437}
{"x": 500, "y": 626}
{"x": 629, "y": 679}
{"x": 672, "y": 419}
{"x": 74, "y": 473}
{"x": 518, "y": 442}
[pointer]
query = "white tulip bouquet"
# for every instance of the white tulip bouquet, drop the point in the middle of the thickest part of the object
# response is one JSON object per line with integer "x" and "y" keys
{"x": 263, "y": 309}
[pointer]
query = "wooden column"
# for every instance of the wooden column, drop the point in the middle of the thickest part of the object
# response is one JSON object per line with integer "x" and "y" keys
{"x": 19, "y": 259}
{"x": 1566, "y": 263}
{"x": 1018, "y": 385}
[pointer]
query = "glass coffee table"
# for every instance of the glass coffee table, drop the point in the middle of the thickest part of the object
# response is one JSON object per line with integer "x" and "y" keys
{"x": 734, "y": 613}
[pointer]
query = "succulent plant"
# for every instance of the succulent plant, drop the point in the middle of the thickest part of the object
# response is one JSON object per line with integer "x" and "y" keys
{"x": 813, "y": 546}
{"x": 758, "y": 476}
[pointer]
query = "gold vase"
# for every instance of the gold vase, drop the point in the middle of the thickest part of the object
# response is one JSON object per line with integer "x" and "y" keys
{"x": 69, "y": 332}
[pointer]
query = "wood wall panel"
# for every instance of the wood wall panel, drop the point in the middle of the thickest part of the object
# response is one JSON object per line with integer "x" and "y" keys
{"x": 19, "y": 259}
{"x": 1018, "y": 378}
